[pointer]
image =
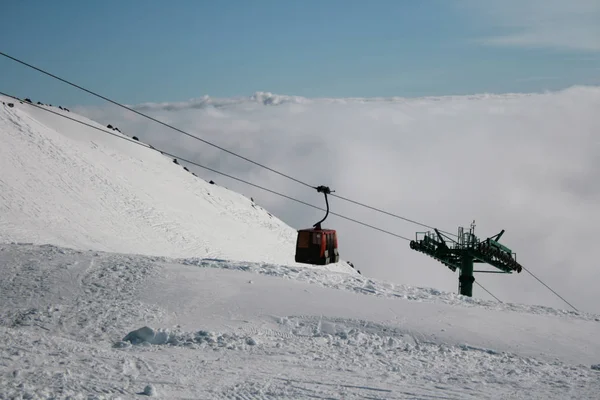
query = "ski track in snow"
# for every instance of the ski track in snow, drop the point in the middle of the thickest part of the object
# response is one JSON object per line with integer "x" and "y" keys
{"x": 65, "y": 314}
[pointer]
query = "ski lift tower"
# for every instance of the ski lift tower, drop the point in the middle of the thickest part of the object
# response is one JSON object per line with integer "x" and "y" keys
{"x": 464, "y": 252}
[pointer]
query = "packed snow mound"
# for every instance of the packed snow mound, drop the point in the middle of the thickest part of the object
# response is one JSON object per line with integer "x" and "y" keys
{"x": 200, "y": 339}
{"x": 67, "y": 184}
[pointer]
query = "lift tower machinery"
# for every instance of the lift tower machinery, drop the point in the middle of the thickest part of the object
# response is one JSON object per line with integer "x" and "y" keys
{"x": 466, "y": 250}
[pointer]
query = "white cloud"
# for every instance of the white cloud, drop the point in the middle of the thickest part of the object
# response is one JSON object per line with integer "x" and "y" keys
{"x": 524, "y": 163}
{"x": 559, "y": 24}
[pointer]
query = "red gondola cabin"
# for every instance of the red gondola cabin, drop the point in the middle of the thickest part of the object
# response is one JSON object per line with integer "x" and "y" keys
{"x": 317, "y": 246}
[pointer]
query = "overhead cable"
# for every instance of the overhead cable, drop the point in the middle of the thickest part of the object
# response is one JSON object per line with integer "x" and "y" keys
{"x": 490, "y": 293}
{"x": 209, "y": 143}
{"x": 208, "y": 168}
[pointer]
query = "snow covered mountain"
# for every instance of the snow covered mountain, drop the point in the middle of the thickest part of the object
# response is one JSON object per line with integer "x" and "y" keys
{"x": 139, "y": 278}
{"x": 67, "y": 184}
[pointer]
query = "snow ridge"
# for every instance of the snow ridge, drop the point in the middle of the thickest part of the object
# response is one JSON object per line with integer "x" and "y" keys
{"x": 363, "y": 285}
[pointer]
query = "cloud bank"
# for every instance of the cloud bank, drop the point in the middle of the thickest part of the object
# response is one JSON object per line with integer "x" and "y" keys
{"x": 526, "y": 163}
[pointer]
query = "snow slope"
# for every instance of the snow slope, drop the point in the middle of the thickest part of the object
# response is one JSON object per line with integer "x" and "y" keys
{"x": 99, "y": 325}
{"x": 157, "y": 283}
{"x": 67, "y": 184}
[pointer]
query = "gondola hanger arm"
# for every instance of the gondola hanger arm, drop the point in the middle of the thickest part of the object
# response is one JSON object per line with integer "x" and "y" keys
{"x": 325, "y": 190}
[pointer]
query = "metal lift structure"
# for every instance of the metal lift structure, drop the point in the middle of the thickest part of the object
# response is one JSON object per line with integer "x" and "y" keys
{"x": 464, "y": 252}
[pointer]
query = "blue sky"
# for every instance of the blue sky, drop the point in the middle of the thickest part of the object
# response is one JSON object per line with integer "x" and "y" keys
{"x": 149, "y": 51}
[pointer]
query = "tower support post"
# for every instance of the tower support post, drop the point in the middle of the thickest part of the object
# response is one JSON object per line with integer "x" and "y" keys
{"x": 466, "y": 278}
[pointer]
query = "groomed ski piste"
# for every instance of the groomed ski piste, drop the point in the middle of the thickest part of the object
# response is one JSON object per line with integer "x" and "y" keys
{"x": 125, "y": 276}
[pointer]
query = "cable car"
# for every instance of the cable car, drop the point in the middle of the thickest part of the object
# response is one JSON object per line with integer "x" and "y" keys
{"x": 316, "y": 245}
